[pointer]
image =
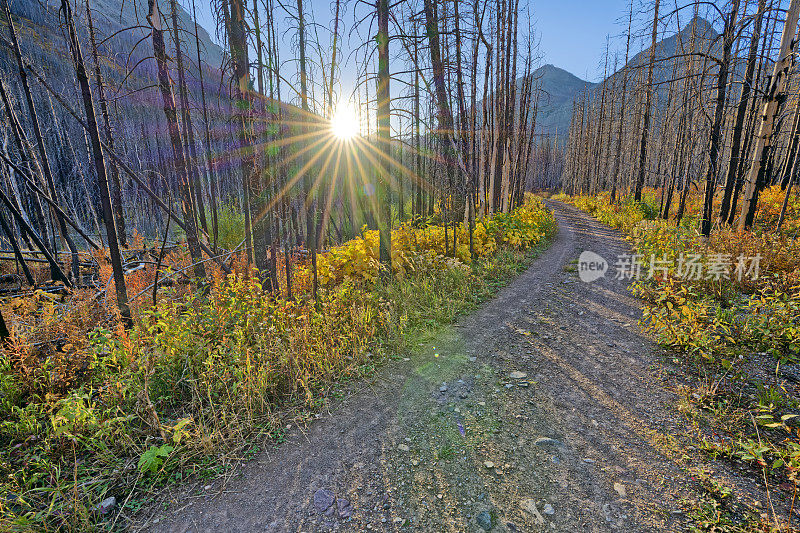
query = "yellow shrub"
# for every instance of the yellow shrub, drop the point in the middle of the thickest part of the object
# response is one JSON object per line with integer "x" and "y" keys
{"x": 357, "y": 259}
{"x": 769, "y": 207}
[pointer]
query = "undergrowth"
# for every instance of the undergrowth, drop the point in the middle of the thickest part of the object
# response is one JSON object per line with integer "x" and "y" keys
{"x": 739, "y": 334}
{"x": 91, "y": 411}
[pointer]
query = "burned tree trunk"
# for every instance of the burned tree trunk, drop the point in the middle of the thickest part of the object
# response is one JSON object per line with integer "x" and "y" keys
{"x": 250, "y": 182}
{"x": 311, "y": 208}
{"x": 716, "y": 127}
{"x": 100, "y": 167}
{"x": 188, "y": 133}
{"x": 119, "y": 216}
{"x": 213, "y": 186}
{"x": 170, "y": 113}
{"x": 622, "y": 110}
{"x": 637, "y": 193}
{"x": 768, "y": 116}
{"x": 384, "y": 142}
{"x": 741, "y": 113}
{"x": 44, "y": 161}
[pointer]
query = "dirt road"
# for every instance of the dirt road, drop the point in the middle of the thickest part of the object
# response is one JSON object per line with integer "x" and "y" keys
{"x": 541, "y": 411}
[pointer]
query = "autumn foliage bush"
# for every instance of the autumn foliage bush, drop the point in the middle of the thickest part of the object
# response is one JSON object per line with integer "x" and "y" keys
{"x": 358, "y": 259}
{"x": 622, "y": 215}
{"x": 89, "y": 409}
{"x": 704, "y": 316}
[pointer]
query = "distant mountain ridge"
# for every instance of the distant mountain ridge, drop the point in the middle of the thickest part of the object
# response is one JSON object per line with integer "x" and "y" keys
{"x": 559, "y": 89}
{"x": 706, "y": 41}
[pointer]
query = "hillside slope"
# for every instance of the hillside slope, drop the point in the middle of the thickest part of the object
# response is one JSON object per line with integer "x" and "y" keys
{"x": 558, "y": 90}
{"x": 680, "y": 43}
{"x": 111, "y": 18}
{"x": 129, "y": 75}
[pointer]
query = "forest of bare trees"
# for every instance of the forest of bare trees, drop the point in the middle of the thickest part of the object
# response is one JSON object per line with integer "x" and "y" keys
{"x": 705, "y": 110}
{"x": 139, "y": 130}
{"x": 220, "y": 220}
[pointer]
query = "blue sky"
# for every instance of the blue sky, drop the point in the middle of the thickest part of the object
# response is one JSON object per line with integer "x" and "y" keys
{"x": 571, "y": 33}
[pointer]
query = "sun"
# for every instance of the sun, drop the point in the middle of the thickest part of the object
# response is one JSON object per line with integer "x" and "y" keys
{"x": 344, "y": 124}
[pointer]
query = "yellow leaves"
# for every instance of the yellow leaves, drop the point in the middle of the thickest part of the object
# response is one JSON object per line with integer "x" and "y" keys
{"x": 357, "y": 259}
{"x": 181, "y": 429}
{"x": 624, "y": 216}
{"x": 770, "y": 204}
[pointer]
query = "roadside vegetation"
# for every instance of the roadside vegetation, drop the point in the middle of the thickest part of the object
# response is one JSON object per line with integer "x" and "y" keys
{"x": 91, "y": 410}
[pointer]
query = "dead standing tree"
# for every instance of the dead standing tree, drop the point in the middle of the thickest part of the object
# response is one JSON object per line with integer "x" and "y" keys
{"x": 637, "y": 195}
{"x": 237, "y": 36}
{"x": 716, "y": 128}
{"x": 186, "y": 119}
{"x": 170, "y": 113}
{"x": 99, "y": 165}
{"x": 770, "y": 106}
{"x": 622, "y": 110}
{"x": 741, "y": 114}
{"x": 384, "y": 140}
{"x": 310, "y": 201}
{"x": 119, "y": 215}
{"x": 43, "y": 162}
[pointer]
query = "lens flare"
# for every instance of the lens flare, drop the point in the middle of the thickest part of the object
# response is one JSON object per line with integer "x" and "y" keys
{"x": 344, "y": 123}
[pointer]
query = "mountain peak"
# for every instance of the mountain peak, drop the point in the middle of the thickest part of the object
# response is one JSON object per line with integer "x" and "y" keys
{"x": 700, "y": 26}
{"x": 550, "y": 68}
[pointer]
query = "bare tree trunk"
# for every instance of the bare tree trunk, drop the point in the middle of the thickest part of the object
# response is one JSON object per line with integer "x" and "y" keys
{"x": 51, "y": 260}
{"x": 255, "y": 200}
{"x": 116, "y": 190}
{"x": 100, "y": 167}
{"x": 170, "y": 113}
{"x": 213, "y": 185}
{"x": 311, "y": 208}
{"x": 333, "y": 57}
{"x": 43, "y": 159}
{"x": 637, "y": 194}
{"x": 188, "y": 132}
{"x": 792, "y": 149}
{"x": 126, "y": 169}
{"x": 714, "y": 139}
{"x": 326, "y": 212}
{"x": 768, "y": 114}
{"x": 420, "y": 210}
{"x": 24, "y": 149}
{"x": 741, "y": 112}
{"x": 12, "y": 238}
{"x": 275, "y": 64}
{"x": 384, "y": 139}
{"x": 786, "y": 195}
{"x": 622, "y": 110}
